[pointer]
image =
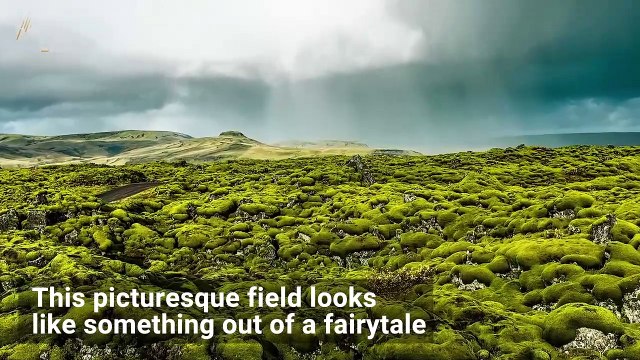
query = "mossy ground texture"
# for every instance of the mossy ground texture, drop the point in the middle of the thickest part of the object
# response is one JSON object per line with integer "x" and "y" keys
{"x": 518, "y": 253}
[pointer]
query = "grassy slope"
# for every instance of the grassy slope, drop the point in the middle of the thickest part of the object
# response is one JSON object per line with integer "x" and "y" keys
{"x": 36, "y": 150}
{"x": 117, "y": 148}
{"x": 504, "y": 236}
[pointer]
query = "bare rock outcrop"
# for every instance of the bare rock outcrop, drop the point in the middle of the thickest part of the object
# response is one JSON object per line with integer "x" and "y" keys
{"x": 9, "y": 220}
{"x": 358, "y": 164}
{"x": 601, "y": 232}
{"x": 36, "y": 220}
{"x": 591, "y": 339}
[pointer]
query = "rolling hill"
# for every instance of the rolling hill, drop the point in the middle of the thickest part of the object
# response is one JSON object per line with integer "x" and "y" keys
{"x": 134, "y": 146}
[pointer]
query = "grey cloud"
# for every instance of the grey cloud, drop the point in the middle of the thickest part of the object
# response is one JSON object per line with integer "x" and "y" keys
{"x": 548, "y": 50}
{"x": 35, "y": 90}
{"x": 90, "y": 99}
{"x": 246, "y": 98}
{"x": 483, "y": 69}
{"x": 503, "y": 29}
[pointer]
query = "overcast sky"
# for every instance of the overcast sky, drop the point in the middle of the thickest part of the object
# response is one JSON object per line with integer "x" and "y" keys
{"x": 403, "y": 73}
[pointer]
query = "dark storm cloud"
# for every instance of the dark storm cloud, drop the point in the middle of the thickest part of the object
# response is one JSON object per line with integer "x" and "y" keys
{"x": 527, "y": 56}
{"x": 557, "y": 48}
{"x": 242, "y": 97}
{"x": 497, "y": 67}
{"x": 46, "y": 91}
{"x": 545, "y": 30}
{"x": 31, "y": 90}
{"x": 92, "y": 98}
{"x": 67, "y": 90}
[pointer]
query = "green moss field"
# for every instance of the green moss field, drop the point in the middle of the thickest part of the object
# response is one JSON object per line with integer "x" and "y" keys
{"x": 517, "y": 253}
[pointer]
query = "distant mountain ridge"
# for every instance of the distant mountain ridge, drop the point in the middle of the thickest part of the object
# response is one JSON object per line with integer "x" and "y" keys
{"x": 322, "y": 144}
{"x": 567, "y": 139}
{"x": 105, "y": 135}
{"x": 137, "y": 146}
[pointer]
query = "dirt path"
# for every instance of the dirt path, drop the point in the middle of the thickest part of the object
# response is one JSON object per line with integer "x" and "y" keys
{"x": 126, "y": 191}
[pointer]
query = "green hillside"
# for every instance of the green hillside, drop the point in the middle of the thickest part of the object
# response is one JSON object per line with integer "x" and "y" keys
{"x": 122, "y": 147}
